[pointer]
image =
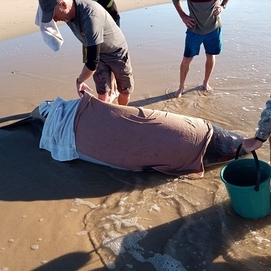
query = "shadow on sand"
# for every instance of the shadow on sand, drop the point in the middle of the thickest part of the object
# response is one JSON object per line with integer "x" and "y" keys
{"x": 200, "y": 241}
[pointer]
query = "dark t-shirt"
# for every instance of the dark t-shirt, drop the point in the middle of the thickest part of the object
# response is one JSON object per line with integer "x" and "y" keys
{"x": 110, "y": 7}
{"x": 93, "y": 25}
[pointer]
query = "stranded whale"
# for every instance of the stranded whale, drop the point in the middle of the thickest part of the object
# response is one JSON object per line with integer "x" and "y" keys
{"x": 131, "y": 138}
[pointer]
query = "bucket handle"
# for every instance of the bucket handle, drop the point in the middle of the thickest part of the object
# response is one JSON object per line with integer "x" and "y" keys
{"x": 257, "y": 164}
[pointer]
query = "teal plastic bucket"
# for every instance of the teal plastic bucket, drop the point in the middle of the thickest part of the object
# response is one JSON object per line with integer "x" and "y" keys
{"x": 248, "y": 185}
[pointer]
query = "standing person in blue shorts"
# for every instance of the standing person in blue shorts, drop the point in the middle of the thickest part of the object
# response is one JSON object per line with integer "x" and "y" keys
{"x": 107, "y": 49}
{"x": 203, "y": 27}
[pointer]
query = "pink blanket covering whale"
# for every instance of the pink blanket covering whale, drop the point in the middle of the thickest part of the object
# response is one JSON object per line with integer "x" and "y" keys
{"x": 137, "y": 138}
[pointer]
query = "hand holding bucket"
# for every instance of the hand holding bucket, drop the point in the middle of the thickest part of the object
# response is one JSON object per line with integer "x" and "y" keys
{"x": 248, "y": 184}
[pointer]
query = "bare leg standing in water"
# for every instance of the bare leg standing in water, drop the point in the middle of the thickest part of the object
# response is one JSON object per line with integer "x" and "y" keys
{"x": 184, "y": 69}
{"x": 209, "y": 66}
{"x": 203, "y": 27}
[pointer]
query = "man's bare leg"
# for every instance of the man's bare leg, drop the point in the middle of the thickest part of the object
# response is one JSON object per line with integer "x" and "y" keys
{"x": 209, "y": 66}
{"x": 113, "y": 95}
{"x": 114, "y": 88}
{"x": 104, "y": 97}
{"x": 123, "y": 99}
{"x": 184, "y": 68}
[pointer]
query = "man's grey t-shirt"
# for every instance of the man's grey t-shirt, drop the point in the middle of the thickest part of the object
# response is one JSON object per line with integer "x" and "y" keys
{"x": 94, "y": 25}
{"x": 203, "y": 14}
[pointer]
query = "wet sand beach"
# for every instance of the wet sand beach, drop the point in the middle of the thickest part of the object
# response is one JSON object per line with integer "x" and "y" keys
{"x": 82, "y": 216}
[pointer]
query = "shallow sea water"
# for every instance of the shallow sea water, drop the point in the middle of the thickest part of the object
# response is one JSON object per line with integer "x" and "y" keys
{"x": 165, "y": 223}
{"x": 157, "y": 222}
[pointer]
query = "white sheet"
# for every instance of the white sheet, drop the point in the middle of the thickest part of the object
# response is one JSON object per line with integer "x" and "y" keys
{"x": 58, "y": 132}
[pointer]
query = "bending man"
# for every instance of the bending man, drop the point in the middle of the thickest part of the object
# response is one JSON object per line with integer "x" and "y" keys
{"x": 107, "y": 49}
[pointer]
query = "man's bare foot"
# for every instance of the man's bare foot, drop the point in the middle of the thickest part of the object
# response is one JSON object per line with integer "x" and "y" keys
{"x": 104, "y": 97}
{"x": 207, "y": 88}
{"x": 178, "y": 93}
{"x": 113, "y": 95}
{"x": 123, "y": 99}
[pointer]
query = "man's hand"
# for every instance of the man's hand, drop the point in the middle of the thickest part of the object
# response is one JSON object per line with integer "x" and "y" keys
{"x": 188, "y": 21}
{"x": 218, "y": 10}
{"x": 251, "y": 144}
{"x": 81, "y": 87}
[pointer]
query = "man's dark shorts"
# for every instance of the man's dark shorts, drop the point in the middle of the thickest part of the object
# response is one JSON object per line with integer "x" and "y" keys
{"x": 121, "y": 68}
{"x": 212, "y": 43}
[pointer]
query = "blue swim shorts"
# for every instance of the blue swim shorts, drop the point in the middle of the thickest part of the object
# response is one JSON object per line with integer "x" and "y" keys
{"x": 212, "y": 43}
